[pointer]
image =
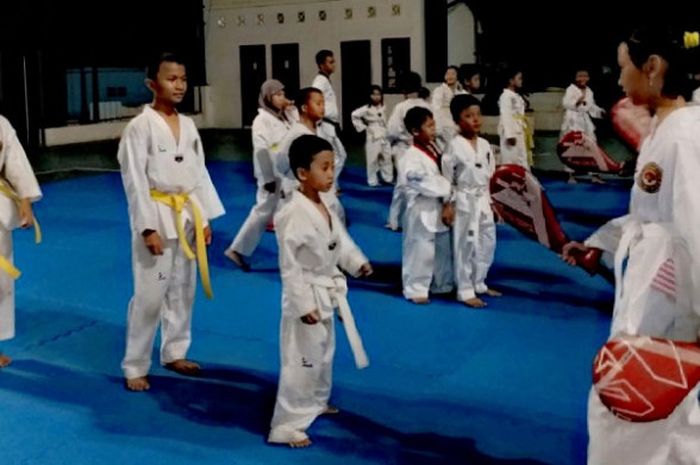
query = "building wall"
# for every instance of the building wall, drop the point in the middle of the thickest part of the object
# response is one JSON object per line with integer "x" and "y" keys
{"x": 461, "y": 35}
{"x": 232, "y": 23}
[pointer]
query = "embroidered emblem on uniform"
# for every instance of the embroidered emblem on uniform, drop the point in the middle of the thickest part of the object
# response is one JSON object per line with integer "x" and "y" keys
{"x": 332, "y": 245}
{"x": 179, "y": 158}
{"x": 650, "y": 178}
{"x": 161, "y": 276}
{"x": 306, "y": 364}
{"x": 161, "y": 149}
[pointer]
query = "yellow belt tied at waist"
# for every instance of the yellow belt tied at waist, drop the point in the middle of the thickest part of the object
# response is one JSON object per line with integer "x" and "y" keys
{"x": 5, "y": 264}
{"x": 529, "y": 137}
{"x": 178, "y": 202}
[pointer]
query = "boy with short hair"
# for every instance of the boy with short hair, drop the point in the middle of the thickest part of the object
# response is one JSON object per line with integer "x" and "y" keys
{"x": 313, "y": 247}
{"x": 171, "y": 201}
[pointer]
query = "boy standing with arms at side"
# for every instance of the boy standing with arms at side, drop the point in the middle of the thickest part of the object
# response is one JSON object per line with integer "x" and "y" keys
{"x": 427, "y": 258}
{"x": 18, "y": 189}
{"x": 468, "y": 165}
{"x": 171, "y": 200}
{"x": 313, "y": 247}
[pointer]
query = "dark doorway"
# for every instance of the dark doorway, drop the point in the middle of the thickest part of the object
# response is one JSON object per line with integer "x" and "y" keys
{"x": 253, "y": 74}
{"x": 285, "y": 67}
{"x": 356, "y": 62}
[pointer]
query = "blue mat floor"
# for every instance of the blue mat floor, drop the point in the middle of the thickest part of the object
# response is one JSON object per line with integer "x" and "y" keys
{"x": 446, "y": 385}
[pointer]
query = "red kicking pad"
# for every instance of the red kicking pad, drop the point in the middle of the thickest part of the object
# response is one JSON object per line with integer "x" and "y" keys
{"x": 519, "y": 199}
{"x": 642, "y": 379}
{"x": 632, "y": 122}
{"x": 580, "y": 152}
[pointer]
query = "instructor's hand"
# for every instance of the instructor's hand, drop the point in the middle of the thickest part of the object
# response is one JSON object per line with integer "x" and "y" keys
{"x": 571, "y": 247}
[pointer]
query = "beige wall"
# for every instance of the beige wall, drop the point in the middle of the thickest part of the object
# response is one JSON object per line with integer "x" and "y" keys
{"x": 461, "y": 35}
{"x": 224, "y": 35}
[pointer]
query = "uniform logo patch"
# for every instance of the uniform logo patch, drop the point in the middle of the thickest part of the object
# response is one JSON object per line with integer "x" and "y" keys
{"x": 649, "y": 179}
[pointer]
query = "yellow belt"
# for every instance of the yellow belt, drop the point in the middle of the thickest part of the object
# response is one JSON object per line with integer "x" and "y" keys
{"x": 177, "y": 202}
{"x": 529, "y": 137}
{"x": 5, "y": 264}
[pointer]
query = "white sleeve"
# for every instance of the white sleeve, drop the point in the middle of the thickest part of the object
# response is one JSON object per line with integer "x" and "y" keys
{"x": 351, "y": 257}
{"x": 281, "y": 156}
{"x": 608, "y": 236}
{"x": 571, "y": 96}
{"x": 436, "y": 99}
{"x": 594, "y": 110}
{"x": 291, "y": 238}
{"x": 357, "y": 117}
{"x": 686, "y": 209}
{"x": 205, "y": 190}
{"x": 510, "y": 126}
{"x": 17, "y": 169}
{"x": 449, "y": 168}
{"x": 261, "y": 151}
{"x": 133, "y": 161}
{"x": 396, "y": 131}
{"x": 427, "y": 184}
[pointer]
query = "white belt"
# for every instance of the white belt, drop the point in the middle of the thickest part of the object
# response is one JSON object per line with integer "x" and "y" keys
{"x": 332, "y": 293}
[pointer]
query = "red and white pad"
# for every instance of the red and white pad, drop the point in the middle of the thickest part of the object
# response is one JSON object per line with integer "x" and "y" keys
{"x": 580, "y": 152}
{"x": 632, "y": 122}
{"x": 520, "y": 200}
{"x": 642, "y": 379}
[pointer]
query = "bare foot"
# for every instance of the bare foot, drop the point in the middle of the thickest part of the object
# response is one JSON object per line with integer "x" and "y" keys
{"x": 493, "y": 293}
{"x": 300, "y": 444}
{"x": 391, "y": 227}
{"x": 572, "y": 180}
{"x": 138, "y": 384}
{"x": 238, "y": 259}
{"x": 4, "y": 360}
{"x": 595, "y": 179}
{"x": 474, "y": 302}
{"x": 420, "y": 300}
{"x": 331, "y": 410}
{"x": 184, "y": 367}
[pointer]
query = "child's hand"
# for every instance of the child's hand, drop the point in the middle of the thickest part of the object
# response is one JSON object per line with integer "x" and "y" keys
{"x": 366, "y": 269}
{"x": 311, "y": 318}
{"x": 511, "y": 141}
{"x": 207, "y": 235}
{"x": 448, "y": 214}
{"x": 26, "y": 215}
{"x": 153, "y": 242}
{"x": 570, "y": 248}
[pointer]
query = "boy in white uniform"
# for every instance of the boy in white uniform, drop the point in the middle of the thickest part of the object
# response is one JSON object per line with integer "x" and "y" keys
{"x": 326, "y": 66}
{"x": 513, "y": 128}
{"x": 313, "y": 247}
{"x": 401, "y": 139}
{"x": 18, "y": 189}
{"x": 579, "y": 110}
{"x": 468, "y": 165}
{"x": 311, "y": 106}
{"x": 427, "y": 258}
{"x": 171, "y": 199}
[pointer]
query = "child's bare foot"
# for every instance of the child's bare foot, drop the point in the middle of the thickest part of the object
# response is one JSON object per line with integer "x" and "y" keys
{"x": 300, "y": 444}
{"x": 184, "y": 367}
{"x": 4, "y": 361}
{"x": 420, "y": 300}
{"x": 391, "y": 227}
{"x": 331, "y": 410}
{"x": 238, "y": 259}
{"x": 139, "y": 384}
{"x": 474, "y": 302}
{"x": 493, "y": 293}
